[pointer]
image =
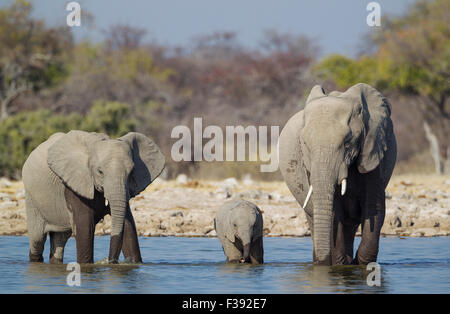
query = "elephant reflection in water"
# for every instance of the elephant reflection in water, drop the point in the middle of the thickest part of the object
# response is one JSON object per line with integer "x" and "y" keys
{"x": 340, "y": 279}
{"x": 56, "y": 277}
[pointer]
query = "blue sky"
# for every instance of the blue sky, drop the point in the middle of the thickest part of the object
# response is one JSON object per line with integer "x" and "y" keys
{"x": 337, "y": 26}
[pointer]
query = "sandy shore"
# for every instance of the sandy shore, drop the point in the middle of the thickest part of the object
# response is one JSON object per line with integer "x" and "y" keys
{"x": 417, "y": 205}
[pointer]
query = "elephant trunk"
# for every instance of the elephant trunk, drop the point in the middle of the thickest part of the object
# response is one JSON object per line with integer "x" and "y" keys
{"x": 118, "y": 202}
{"x": 323, "y": 182}
{"x": 246, "y": 254}
{"x": 246, "y": 243}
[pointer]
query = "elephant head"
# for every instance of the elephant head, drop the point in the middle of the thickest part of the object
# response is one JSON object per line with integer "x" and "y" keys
{"x": 338, "y": 131}
{"x": 117, "y": 168}
{"x": 244, "y": 224}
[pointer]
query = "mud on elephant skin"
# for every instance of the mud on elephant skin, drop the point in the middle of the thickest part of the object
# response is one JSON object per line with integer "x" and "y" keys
{"x": 239, "y": 227}
{"x": 337, "y": 156}
{"x": 73, "y": 180}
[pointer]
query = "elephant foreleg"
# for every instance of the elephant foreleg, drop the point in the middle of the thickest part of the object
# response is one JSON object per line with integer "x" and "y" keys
{"x": 338, "y": 247}
{"x": 344, "y": 229}
{"x": 338, "y": 256}
{"x": 130, "y": 246}
{"x": 372, "y": 222}
{"x": 84, "y": 235}
{"x": 84, "y": 224}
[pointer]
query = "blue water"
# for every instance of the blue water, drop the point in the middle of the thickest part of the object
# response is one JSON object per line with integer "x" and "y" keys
{"x": 196, "y": 265}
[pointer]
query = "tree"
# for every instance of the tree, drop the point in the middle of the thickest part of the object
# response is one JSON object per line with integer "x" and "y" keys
{"x": 112, "y": 118}
{"x": 28, "y": 54}
{"x": 121, "y": 36}
{"x": 21, "y": 133}
{"x": 417, "y": 47}
{"x": 412, "y": 58}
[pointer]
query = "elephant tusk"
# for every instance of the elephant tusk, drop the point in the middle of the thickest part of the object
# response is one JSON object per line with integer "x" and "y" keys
{"x": 307, "y": 197}
{"x": 343, "y": 186}
{"x": 278, "y": 152}
{"x": 106, "y": 202}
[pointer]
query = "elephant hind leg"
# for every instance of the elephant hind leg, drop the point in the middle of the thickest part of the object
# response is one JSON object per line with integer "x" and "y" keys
{"x": 37, "y": 242}
{"x": 58, "y": 241}
{"x": 36, "y": 233}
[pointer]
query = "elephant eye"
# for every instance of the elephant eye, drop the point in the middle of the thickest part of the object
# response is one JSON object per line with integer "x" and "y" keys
{"x": 347, "y": 141}
{"x": 359, "y": 110}
{"x": 305, "y": 145}
{"x": 100, "y": 172}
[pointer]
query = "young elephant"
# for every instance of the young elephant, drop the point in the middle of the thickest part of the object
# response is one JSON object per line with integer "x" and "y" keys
{"x": 239, "y": 227}
{"x": 72, "y": 180}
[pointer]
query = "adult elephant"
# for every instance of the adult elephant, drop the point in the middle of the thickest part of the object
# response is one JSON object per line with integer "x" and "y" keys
{"x": 347, "y": 140}
{"x": 73, "y": 180}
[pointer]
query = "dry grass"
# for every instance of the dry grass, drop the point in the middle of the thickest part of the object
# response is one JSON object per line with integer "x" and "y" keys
{"x": 420, "y": 202}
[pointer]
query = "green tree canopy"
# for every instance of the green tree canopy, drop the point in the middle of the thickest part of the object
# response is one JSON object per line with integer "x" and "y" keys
{"x": 112, "y": 118}
{"x": 413, "y": 56}
{"x": 28, "y": 54}
{"x": 23, "y": 132}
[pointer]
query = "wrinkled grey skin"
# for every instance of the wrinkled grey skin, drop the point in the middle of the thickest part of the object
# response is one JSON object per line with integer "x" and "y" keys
{"x": 239, "y": 227}
{"x": 340, "y": 136}
{"x": 67, "y": 180}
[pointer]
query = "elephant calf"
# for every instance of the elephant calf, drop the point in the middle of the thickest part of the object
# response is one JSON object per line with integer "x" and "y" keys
{"x": 239, "y": 227}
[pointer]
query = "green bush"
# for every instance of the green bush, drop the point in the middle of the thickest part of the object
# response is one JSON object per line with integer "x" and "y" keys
{"x": 21, "y": 133}
{"x": 112, "y": 118}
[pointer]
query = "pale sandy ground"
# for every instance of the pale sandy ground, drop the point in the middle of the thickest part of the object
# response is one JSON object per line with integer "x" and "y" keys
{"x": 417, "y": 205}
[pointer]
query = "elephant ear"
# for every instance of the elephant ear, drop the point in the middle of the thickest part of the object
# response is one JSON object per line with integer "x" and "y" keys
{"x": 293, "y": 162}
{"x": 229, "y": 231}
{"x": 68, "y": 158}
{"x": 378, "y": 125}
{"x": 227, "y": 220}
{"x": 316, "y": 92}
{"x": 222, "y": 221}
{"x": 148, "y": 161}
